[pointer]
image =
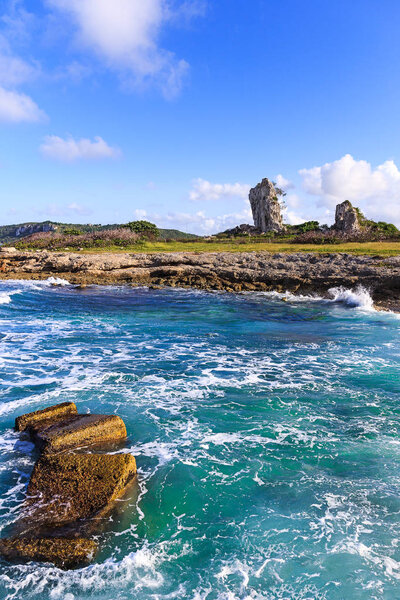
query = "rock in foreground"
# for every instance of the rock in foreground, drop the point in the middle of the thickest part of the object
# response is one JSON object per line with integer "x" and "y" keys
{"x": 48, "y": 415}
{"x": 78, "y": 431}
{"x": 70, "y": 492}
{"x": 69, "y": 488}
{"x": 63, "y": 552}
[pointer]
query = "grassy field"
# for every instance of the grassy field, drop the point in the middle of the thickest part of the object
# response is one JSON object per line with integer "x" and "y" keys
{"x": 369, "y": 248}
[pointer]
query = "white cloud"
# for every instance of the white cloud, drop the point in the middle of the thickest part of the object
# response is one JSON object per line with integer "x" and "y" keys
{"x": 14, "y": 70}
{"x": 57, "y": 211}
{"x": 203, "y": 190}
{"x": 283, "y": 183}
{"x": 124, "y": 34}
{"x": 69, "y": 149}
{"x": 140, "y": 213}
{"x": 79, "y": 209}
{"x": 198, "y": 222}
{"x": 16, "y": 107}
{"x": 375, "y": 190}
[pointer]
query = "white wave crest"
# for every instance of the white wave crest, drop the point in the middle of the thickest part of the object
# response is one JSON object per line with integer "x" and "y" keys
{"x": 360, "y": 297}
{"x": 55, "y": 281}
{"x": 5, "y": 298}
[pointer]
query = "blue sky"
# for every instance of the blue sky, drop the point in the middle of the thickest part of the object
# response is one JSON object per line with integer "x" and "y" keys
{"x": 112, "y": 110}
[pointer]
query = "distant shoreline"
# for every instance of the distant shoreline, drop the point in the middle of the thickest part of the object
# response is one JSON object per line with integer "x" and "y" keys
{"x": 297, "y": 272}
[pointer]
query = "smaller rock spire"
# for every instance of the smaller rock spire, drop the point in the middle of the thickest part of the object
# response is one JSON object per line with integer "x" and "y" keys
{"x": 347, "y": 218}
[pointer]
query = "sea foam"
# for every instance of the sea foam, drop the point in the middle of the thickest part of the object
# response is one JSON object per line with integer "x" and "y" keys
{"x": 360, "y": 297}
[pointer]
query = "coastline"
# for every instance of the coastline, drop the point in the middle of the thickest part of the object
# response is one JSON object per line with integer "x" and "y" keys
{"x": 298, "y": 273}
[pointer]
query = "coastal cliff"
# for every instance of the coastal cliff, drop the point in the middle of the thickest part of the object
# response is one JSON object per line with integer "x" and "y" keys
{"x": 243, "y": 271}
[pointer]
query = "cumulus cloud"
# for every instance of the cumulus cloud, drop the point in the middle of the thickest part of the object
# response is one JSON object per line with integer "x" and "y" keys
{"x": 283, "y": 183}
{"x": 70, "y": 150}
{"x": 125, "y": 35}
{"x": 16, "y": 108}
{"x": 374, "y": 190}
{"x": 198, "y": 222}
{"x": 13, "y": 69}
{"x": 203, "y": 190}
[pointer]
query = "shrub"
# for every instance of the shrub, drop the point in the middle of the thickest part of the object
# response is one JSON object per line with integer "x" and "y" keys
{"x": 144, "y": 229}
{"x": 336, "y": 237}
{"x": 72, "y": 231}
{"x": 121, "y": 237}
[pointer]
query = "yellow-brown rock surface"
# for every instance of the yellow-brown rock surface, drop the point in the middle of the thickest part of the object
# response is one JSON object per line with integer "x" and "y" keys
{"x": 66, "y": 553}
{"x": 75, "y": 488}
{"x": 48, "y": 415}
{"x": 78, "y": 431}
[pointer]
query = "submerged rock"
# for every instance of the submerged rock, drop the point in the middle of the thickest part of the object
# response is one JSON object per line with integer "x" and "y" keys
{"x": 75, "y": 488}
{"x": 48, "y": 415}
{"x": 77, "y": 431}
{"x": 65, "y": 553}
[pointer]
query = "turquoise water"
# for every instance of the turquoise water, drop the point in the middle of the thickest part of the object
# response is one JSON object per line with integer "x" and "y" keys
{"x": 267, "y": 436}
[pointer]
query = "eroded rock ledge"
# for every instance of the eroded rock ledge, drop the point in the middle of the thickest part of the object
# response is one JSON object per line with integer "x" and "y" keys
{"x": 71, "y": 490}
{"x": 241, "y": 271}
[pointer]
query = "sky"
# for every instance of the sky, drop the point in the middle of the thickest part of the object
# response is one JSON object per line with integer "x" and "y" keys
{"x": 170, "y": 110}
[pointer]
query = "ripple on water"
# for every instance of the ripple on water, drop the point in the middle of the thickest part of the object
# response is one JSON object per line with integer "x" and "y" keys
{"x": 266, "y": 435}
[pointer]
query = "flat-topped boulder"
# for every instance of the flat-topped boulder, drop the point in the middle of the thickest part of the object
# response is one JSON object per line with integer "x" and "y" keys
{"x": 77, "y": 431}
{"x": 65, "y": 553}
{"x": 69, "y": 489}
{"x": 47, "y": 415}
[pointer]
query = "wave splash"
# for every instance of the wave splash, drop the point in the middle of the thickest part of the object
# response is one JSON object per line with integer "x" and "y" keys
{"x": 360, "y": 297}
{"x": 6, "y": 297}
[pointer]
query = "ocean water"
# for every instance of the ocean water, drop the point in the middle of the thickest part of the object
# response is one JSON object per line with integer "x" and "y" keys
{"x": 266, "y": 431}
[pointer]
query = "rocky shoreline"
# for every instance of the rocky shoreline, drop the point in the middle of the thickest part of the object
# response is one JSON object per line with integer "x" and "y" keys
{"x": 302, "y": 273}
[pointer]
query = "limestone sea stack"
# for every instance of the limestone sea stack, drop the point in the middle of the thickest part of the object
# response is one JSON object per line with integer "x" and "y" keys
{"x": 347, "y": 218}
{"x": 71, "y": 491}
{"x": 266, "y": 208}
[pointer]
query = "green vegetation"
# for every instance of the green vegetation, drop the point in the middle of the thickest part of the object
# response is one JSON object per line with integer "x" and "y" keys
{"x": 246, "y": 245}
{"x": 144, "y": 229}
{"x": 11, "y": 234}
{"x": 303, "y": 227}
{"x": 73, "y": 231}
{"x": 387, "y": 229}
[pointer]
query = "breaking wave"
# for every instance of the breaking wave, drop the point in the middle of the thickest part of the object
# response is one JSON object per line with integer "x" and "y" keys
{"x": 267, "y": 440}
{"x": 360, "y": 297}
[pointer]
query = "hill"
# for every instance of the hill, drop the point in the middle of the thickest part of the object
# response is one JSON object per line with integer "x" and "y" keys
{"x": 9, "y": 234}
